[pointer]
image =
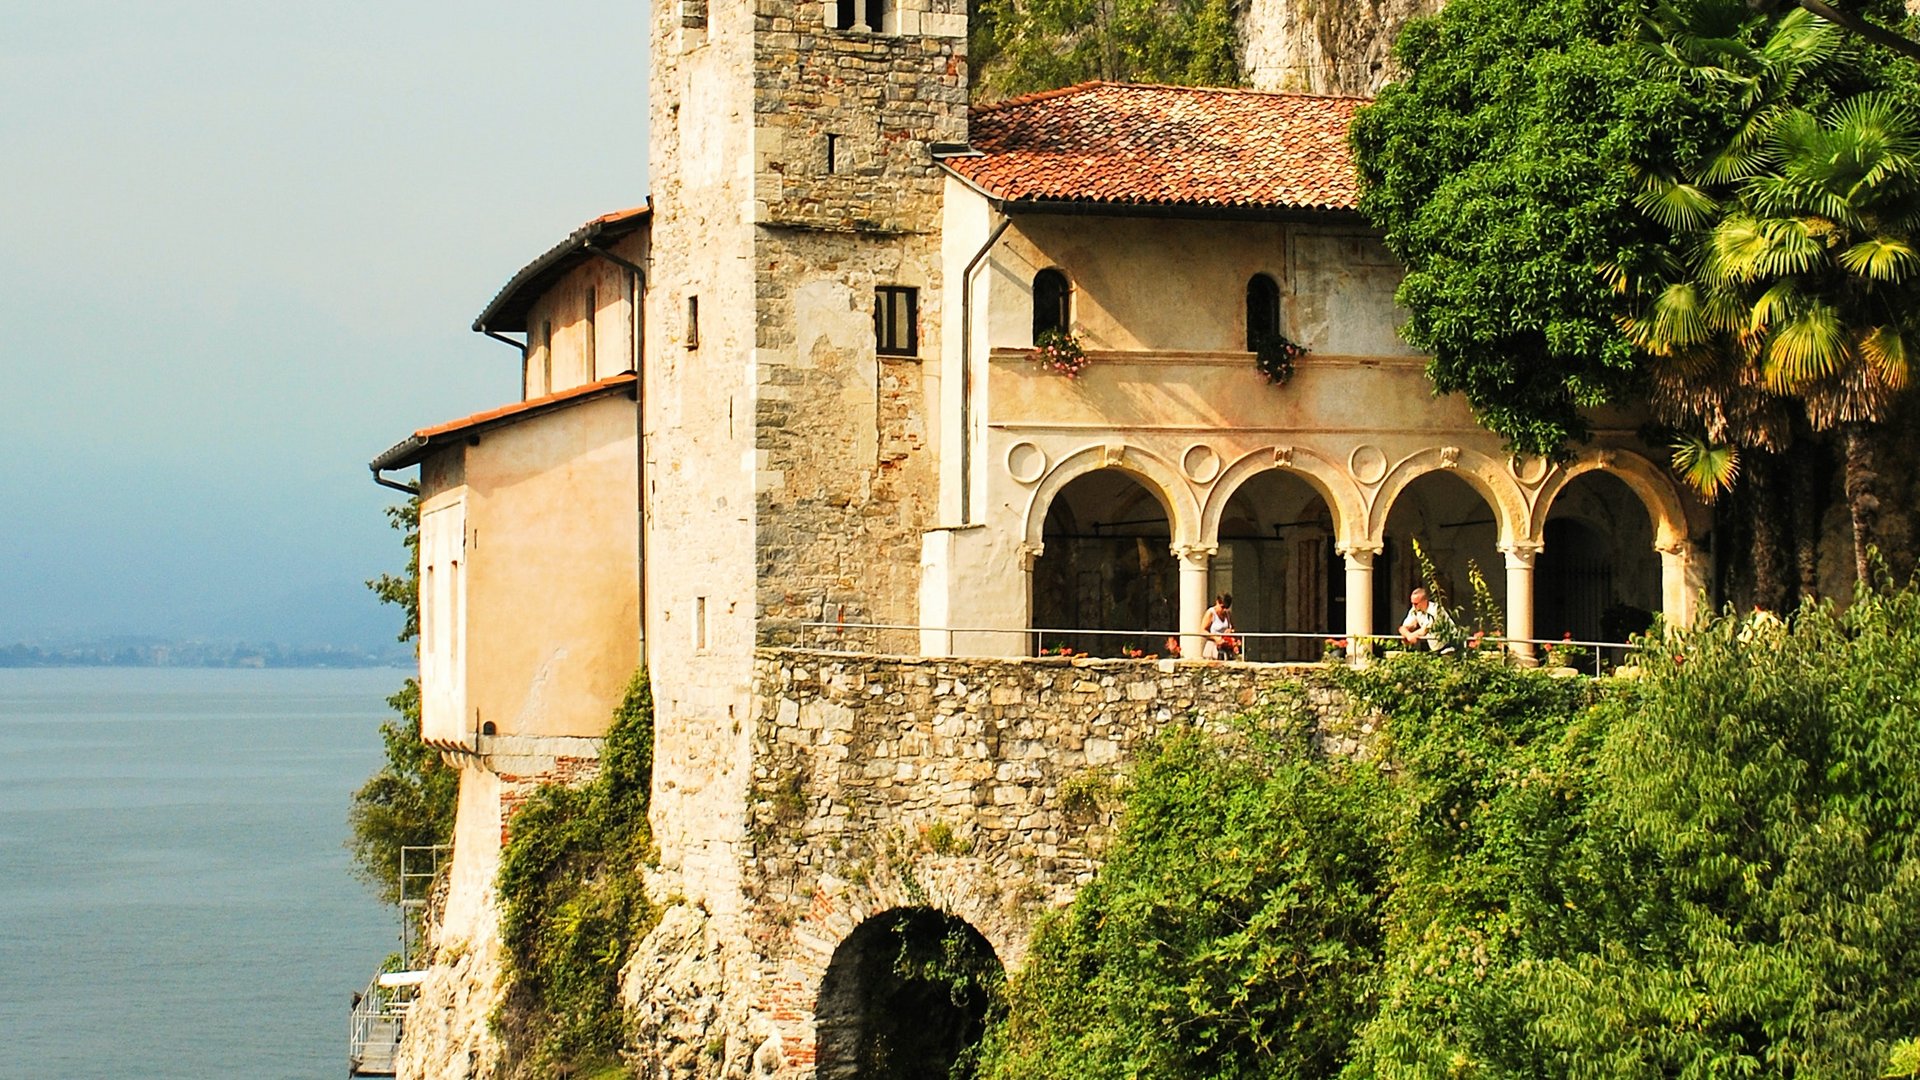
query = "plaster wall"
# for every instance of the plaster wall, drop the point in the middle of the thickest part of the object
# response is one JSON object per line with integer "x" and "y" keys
{"x": 698, "y": 456}
{"x": 559, "y": 361}
{"x": 1172, "y": 284}
{"x": 552, "y": 571}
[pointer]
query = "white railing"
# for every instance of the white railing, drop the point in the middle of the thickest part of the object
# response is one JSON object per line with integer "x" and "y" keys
{"x": 839, "y": 636}
{"x": 378, "y": 1018}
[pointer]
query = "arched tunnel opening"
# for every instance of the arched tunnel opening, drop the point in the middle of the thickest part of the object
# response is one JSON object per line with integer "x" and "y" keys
{"x": 907, "y": 996}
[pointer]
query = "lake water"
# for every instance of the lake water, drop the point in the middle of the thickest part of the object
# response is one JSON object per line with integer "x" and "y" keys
{"x": 175, "y": 899}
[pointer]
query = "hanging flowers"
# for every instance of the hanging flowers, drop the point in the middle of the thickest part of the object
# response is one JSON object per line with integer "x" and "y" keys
{"x": 1059, "y": 351}
{"x": 1275, "y": 355}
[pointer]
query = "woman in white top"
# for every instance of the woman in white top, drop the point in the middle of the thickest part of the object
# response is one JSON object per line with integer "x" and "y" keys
{"x": 1217, "y": 625}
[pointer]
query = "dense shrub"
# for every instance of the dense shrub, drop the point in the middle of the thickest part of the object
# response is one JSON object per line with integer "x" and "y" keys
{"x": 1708, "y": 872}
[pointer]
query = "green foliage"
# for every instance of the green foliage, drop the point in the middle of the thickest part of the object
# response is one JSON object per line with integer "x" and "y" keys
{"x": 1235, "y": 923}
{"x": 403, "y": 591}
{"x": 573, "y": 906}
{"x": 410, "y": 802}
{"x": 1498, "y": 168}
{"x": 1020, "y": 46}
{"x": 1713, "y": 871}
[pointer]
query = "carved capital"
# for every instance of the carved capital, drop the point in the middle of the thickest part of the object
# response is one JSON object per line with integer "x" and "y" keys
{"x": 1029, "y": 553}
{"x": 1521, "y": 553}
{"x": 1194, "y": 553}
{"x": 1360, "y": 554}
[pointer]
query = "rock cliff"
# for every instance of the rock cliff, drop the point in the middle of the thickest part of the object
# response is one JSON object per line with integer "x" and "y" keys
{"x": 1322, "y": 46}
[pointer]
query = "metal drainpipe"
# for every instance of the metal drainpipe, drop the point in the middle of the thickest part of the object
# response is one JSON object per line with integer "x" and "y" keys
{"x": 966, "y": 370}
{"x": 410, "y": 489}
{"x": 636, "y": 296}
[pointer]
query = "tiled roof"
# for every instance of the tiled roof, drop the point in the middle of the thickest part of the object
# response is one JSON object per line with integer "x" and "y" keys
{"x": 507, "y": 311}
{"x": 1116, "y": 143}
{"x": 410, "y": 450}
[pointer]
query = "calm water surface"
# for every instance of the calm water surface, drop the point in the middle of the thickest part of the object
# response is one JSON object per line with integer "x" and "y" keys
{"x": 175, "y": 901}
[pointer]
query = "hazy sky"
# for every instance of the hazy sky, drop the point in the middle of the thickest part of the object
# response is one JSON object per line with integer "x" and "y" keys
{"x": 240, "y": 247}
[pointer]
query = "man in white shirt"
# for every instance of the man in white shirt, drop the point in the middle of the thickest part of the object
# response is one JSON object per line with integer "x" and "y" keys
{"x": 1417, "y": 627}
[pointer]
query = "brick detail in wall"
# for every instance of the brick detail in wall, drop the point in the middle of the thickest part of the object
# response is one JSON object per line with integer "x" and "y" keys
{"x": 517, "y": 788}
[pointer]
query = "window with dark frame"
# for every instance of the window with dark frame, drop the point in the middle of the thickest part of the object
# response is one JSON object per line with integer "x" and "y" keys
{"x": 896, "y": 320}
{"x": 546, "y": 357}
{"x": 876, "y": 15}
{"x": 693, "y": 322}
{"x": 840, "y": 14}
{"x": 589, "y": 345}
{"x": 1052, "y": 296}
{"x": 1263, "y": 310}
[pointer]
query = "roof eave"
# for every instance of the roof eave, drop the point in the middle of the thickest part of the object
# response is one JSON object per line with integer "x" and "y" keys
{"x": 1187, "y": 211}
{"x": 507, "y": 311}
{"x": 415, "y": 448}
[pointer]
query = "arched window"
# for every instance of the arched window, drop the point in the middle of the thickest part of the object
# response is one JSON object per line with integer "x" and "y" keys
{"x": 840, "y": 14}
{"x": 1263, "y": 310}
{"x": 1051, "y": 298}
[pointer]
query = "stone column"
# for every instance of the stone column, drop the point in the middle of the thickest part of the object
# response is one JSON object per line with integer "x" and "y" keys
{"x": 1194, "y": 600}
{"x": 1359, "y": 558}
{"x": 1682, "y": 576}
{"x": 1520, "y": 556}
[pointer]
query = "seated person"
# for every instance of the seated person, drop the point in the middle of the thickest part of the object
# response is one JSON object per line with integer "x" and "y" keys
{"x": 1417, "y": 627}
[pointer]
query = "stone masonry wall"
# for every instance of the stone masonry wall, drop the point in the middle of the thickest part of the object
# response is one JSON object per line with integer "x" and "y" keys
{"x": 847, "y": 198}
{"x": 985, "y": 788}
{"x": 884, "y": 98}
{"x": 847, "y": 482}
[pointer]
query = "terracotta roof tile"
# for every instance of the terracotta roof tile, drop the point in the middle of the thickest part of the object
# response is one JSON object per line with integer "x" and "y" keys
{"x": 1166, "y": 145}
{"x": 529, "y": 405}
{"x": 410, "y": 450}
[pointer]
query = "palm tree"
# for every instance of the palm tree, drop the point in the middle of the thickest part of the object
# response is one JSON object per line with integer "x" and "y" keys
{"x": 1792, "y": 280}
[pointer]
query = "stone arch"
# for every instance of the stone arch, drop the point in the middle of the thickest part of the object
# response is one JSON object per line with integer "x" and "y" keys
{"x": 1486, "y": 475}
{"x": 1325, "y": 477}
{"x": 904, "y": 995}
{"x": 1154, "y": 473}
{"x": 1648, "y": 482}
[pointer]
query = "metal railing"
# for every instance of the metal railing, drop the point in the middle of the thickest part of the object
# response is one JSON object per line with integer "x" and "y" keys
{"x": 377, "y": 1020}
{"x": 905, "y": 639}
{"x": 419, "y": 866}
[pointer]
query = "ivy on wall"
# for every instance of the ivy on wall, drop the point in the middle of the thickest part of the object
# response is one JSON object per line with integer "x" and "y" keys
{"x": 573, "y": 908}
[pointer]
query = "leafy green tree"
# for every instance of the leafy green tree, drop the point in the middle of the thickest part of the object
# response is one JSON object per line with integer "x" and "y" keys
{"x": 1020, "y": 46}
{"x": 411, "y": 801}
{"x": 1498, "y": 167}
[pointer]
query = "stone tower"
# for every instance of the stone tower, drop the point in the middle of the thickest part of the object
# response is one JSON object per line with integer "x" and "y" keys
{"x": 787, "y": 439}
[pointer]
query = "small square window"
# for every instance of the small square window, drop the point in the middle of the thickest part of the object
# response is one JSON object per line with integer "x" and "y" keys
{"x": 896, "y": 321}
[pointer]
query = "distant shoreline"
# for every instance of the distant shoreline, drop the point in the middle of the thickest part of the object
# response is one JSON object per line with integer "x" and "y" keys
{"x": 242, "y": 656}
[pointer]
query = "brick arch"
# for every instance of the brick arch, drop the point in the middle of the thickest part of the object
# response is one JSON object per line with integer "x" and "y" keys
{"x": 1481, "y": 472}
{"x": 864, "y": 1005}
{"x": 1154, "y": 473}
{"x": 1325, "y": 477}
{"x": 1648, "y": 482}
